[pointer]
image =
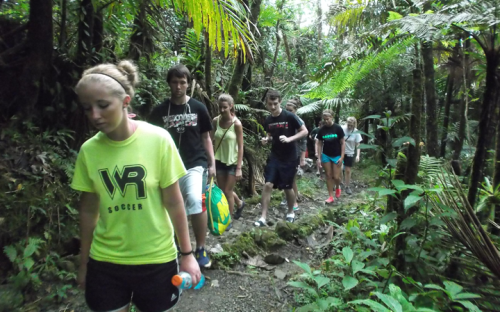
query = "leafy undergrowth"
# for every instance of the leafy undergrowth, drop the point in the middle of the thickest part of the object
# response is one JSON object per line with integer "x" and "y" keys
{"x": 37, "y": 216}
{"x": 360, "y": 275}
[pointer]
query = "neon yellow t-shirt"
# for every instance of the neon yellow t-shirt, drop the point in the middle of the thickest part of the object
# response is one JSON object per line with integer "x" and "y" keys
{"x": 133, "y": 225}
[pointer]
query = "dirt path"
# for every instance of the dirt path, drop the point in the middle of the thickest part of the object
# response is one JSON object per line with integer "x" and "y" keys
{"x": 249, "y": 287}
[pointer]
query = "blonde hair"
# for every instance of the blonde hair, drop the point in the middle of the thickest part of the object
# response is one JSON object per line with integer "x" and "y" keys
{"x": 353, "y": 119}
{"x": 227, "y": 98}
{"x": 328, "y": 112}
{"x": 125, "y": 76}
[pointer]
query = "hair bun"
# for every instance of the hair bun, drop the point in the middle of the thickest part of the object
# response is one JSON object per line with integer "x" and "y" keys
{"x": 130, "y": 70}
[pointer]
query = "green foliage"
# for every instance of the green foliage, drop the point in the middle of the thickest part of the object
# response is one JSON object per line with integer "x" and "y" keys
{"x": 21, "y": 256}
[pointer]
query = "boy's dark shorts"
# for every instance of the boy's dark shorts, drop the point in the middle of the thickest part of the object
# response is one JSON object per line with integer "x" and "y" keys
{"x": 280, "y": 173}
{"x": 348, "y": 161}
{"x": 111, "y": 286}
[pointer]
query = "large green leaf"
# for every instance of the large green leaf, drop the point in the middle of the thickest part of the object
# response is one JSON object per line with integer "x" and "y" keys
{"x": 388, "y": 217}
{"x": 357, "y": 266}
{"x": 469, "y": 305}
{"x": 452, "y": 288}
{"x": 321, "y": 281}
{"x": 304, "y": 286}
{"x": 462, "y": 296}
{"x": 398, "y": 295}
{"x": 375, "y": 306}
{"x": 349, "y": 282}
{"x": 325, "y": 304}
{"x": 399, "y": 142}
{"x": 382, "y": 191}
{"x": 348, "y": 254}
{"x": 303, "y": 266}
{"x": 390, "y": 302}
{"x": 411, "y": 200}
{"x": 11, "y": 253}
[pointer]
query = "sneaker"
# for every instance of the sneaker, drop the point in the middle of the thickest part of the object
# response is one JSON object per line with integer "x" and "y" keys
{"x": 260, "y": 223}
{"x": 348, "y": 190}
{"x": 295, "y": 208}
{"x": 202, "y": 258}
{"x": 337, "y": 193}
{"x": 330, "y": 200}
{"x": 238, "y": 212}
{"x": 284, "y": 202}
{"x": 230, "y": 226}
{"x": 290, "y": 217}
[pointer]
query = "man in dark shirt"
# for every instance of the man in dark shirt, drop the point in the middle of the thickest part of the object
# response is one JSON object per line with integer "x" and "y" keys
{"x": 188, "y": 122}
{"x": 283, "y": 129}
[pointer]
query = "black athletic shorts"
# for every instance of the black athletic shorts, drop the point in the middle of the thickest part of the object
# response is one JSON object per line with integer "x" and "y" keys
{"x": 110, "y": 286}
{"x": 348, "y": 161}
{"x": 280, "y": 174}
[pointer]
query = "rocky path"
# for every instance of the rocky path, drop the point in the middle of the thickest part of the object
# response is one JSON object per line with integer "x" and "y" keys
{"x": 251, "y": 266}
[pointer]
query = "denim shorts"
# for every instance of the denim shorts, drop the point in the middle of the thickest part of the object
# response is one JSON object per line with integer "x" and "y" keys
{"x": 222, "y": 168}
{"x": 192, "y": 186}
{"x": 326, "y": 159}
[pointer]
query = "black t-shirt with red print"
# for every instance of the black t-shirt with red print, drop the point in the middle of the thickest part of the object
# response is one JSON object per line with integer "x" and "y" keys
{"x": 286, "y": 124}
{"x": 331, "y": 137}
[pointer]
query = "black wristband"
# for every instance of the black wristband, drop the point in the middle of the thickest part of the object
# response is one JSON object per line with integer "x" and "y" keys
{"x": 185, "y": 253}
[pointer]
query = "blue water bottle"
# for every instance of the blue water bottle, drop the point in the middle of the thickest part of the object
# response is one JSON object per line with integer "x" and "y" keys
{"x": 183, "y": 281}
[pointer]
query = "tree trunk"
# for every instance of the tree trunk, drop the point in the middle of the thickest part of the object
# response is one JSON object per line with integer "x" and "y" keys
{"x": 413, "y": 162}
{"x": 247, "y": 79}
{"x": 492, "y": 61}
{"x": 320, "y": 30}
{"x": 64, "y": 18}
{"x": 208, "y": 67}
{"x": 459, "y": 143}
{"x": 275, "y": 58}
{"x": 337, "y": 114}
{"x": 447, "y": 106}
{"x": 496, "y": 175}
{"x": 85, "y": 30}
{"x": 40, "y": 43}
{"x": 240, "y": 67}
{"x": 237, "y": 78}
{"x": 430, "y": 94}
{"x": 97, "y": 37}
{"x": 139, "y": 36}
{"x": 287, "y": 48}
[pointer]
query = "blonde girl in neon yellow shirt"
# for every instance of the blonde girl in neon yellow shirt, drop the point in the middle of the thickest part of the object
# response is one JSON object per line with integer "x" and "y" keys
{"x": 130, "y": 203}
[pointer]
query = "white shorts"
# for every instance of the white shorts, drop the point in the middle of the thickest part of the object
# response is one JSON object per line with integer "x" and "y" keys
{"x": 192, "y": 186}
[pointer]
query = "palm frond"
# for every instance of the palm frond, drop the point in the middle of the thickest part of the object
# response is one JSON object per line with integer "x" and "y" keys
{"x": 462, "y": 222}
{"x": 223, "y": 20}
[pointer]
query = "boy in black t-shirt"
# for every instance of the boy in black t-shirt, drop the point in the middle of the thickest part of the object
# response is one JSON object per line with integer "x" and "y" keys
{"x": 283, "y": 129}
{"x": 330, "y": 147}
{"x": 188, "y": 122}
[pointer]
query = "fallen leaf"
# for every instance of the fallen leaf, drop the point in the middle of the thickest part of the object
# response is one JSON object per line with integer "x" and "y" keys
{"x": 258, "y": 262}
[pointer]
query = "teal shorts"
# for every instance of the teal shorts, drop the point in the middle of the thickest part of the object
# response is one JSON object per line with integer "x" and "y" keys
{"x": 327, "y": 159}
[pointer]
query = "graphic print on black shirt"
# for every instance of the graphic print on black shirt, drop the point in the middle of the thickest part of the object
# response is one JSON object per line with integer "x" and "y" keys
{"x": 285, "y": 124}
{"x": 331, "y": 137}
{"x": 185, "y": 123}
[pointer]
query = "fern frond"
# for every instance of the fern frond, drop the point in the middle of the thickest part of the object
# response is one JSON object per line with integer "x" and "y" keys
{"x": 248, "y": 109}
{"x": 333, "y": 81}
{"x": 317, "y": 106}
